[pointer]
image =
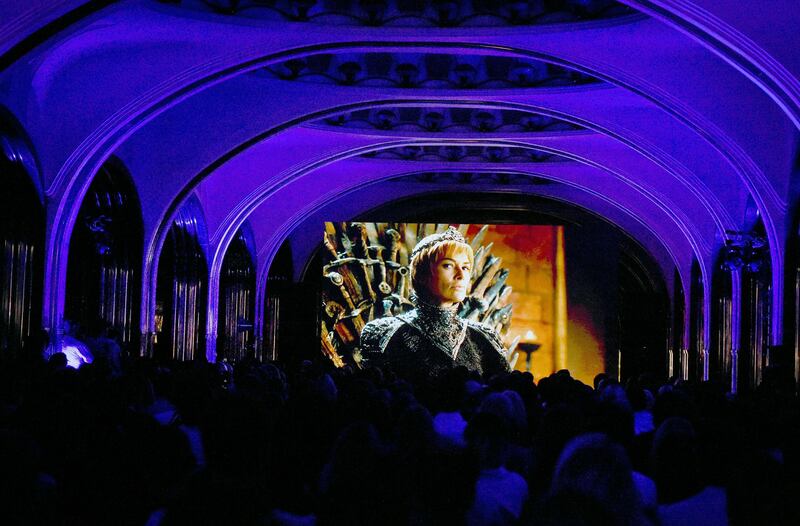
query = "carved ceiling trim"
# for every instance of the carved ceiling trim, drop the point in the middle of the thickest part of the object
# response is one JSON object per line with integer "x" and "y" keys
{"x": 422, "y": 13}
{"x": 425, "y": 70}
{"x": 456, "y": 153}
{"x": 451, "y": 120}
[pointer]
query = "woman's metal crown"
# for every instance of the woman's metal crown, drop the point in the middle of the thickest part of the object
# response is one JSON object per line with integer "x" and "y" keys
{"x": 451, "y": 234}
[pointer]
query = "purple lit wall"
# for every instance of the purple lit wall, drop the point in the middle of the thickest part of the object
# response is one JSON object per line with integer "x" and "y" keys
{"x": 667, "y": 119}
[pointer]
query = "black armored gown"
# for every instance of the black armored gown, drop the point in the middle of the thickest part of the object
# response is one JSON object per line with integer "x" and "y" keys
{"x": 423, "y": 343}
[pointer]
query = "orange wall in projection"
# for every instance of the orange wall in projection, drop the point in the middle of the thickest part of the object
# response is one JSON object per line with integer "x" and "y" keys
{"x": 529, "y": 252}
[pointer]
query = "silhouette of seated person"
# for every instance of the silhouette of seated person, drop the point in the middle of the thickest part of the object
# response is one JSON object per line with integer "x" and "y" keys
{"x": 684, "y": 498}
{"x": 595, "y": 468}
{"x": 500, "y": 493}
{"x": 104, "y": 348}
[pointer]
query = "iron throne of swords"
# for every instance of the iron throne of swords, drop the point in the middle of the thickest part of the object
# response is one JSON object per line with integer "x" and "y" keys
{"x": 366, "y": 276}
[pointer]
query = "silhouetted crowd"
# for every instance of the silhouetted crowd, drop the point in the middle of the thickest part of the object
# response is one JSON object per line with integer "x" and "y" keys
{"x": 147, "y": 443}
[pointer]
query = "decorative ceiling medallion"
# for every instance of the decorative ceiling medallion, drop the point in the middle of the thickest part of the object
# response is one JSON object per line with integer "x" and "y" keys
{"x": 423, "y": 13}
{"x": 452, "y": 120}
{"x": 427, "y": 71}
{"x": 488, "y": 178}
{"x": 466, "y": 154}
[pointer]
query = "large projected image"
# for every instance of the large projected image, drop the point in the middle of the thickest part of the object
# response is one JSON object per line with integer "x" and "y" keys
{"x": 517, "y": 286}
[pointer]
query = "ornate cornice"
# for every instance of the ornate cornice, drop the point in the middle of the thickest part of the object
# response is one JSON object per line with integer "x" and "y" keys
{"x": 457, "y": 153}
{"x": 450, "y": 120}
{"x": 421, "y": 70}
{"x": 422, "y": 13}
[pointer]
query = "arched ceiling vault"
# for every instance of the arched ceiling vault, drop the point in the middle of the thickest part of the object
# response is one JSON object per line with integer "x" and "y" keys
{"x": 667, "y": 124}
{"x": 357, "y": 202}
{"x": 758, "y": 50}
{"x": 273, "y": 160}
{"x": 287, "y": 198}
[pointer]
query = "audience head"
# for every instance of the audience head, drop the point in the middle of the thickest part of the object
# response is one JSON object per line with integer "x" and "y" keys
{"x": 675, "y": 460}
{"x": 57, "y": 360}
{"x": 595, "y": 467}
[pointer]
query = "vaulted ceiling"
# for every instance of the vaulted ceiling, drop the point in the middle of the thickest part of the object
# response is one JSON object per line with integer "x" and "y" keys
{"x": 676, "y": 120}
